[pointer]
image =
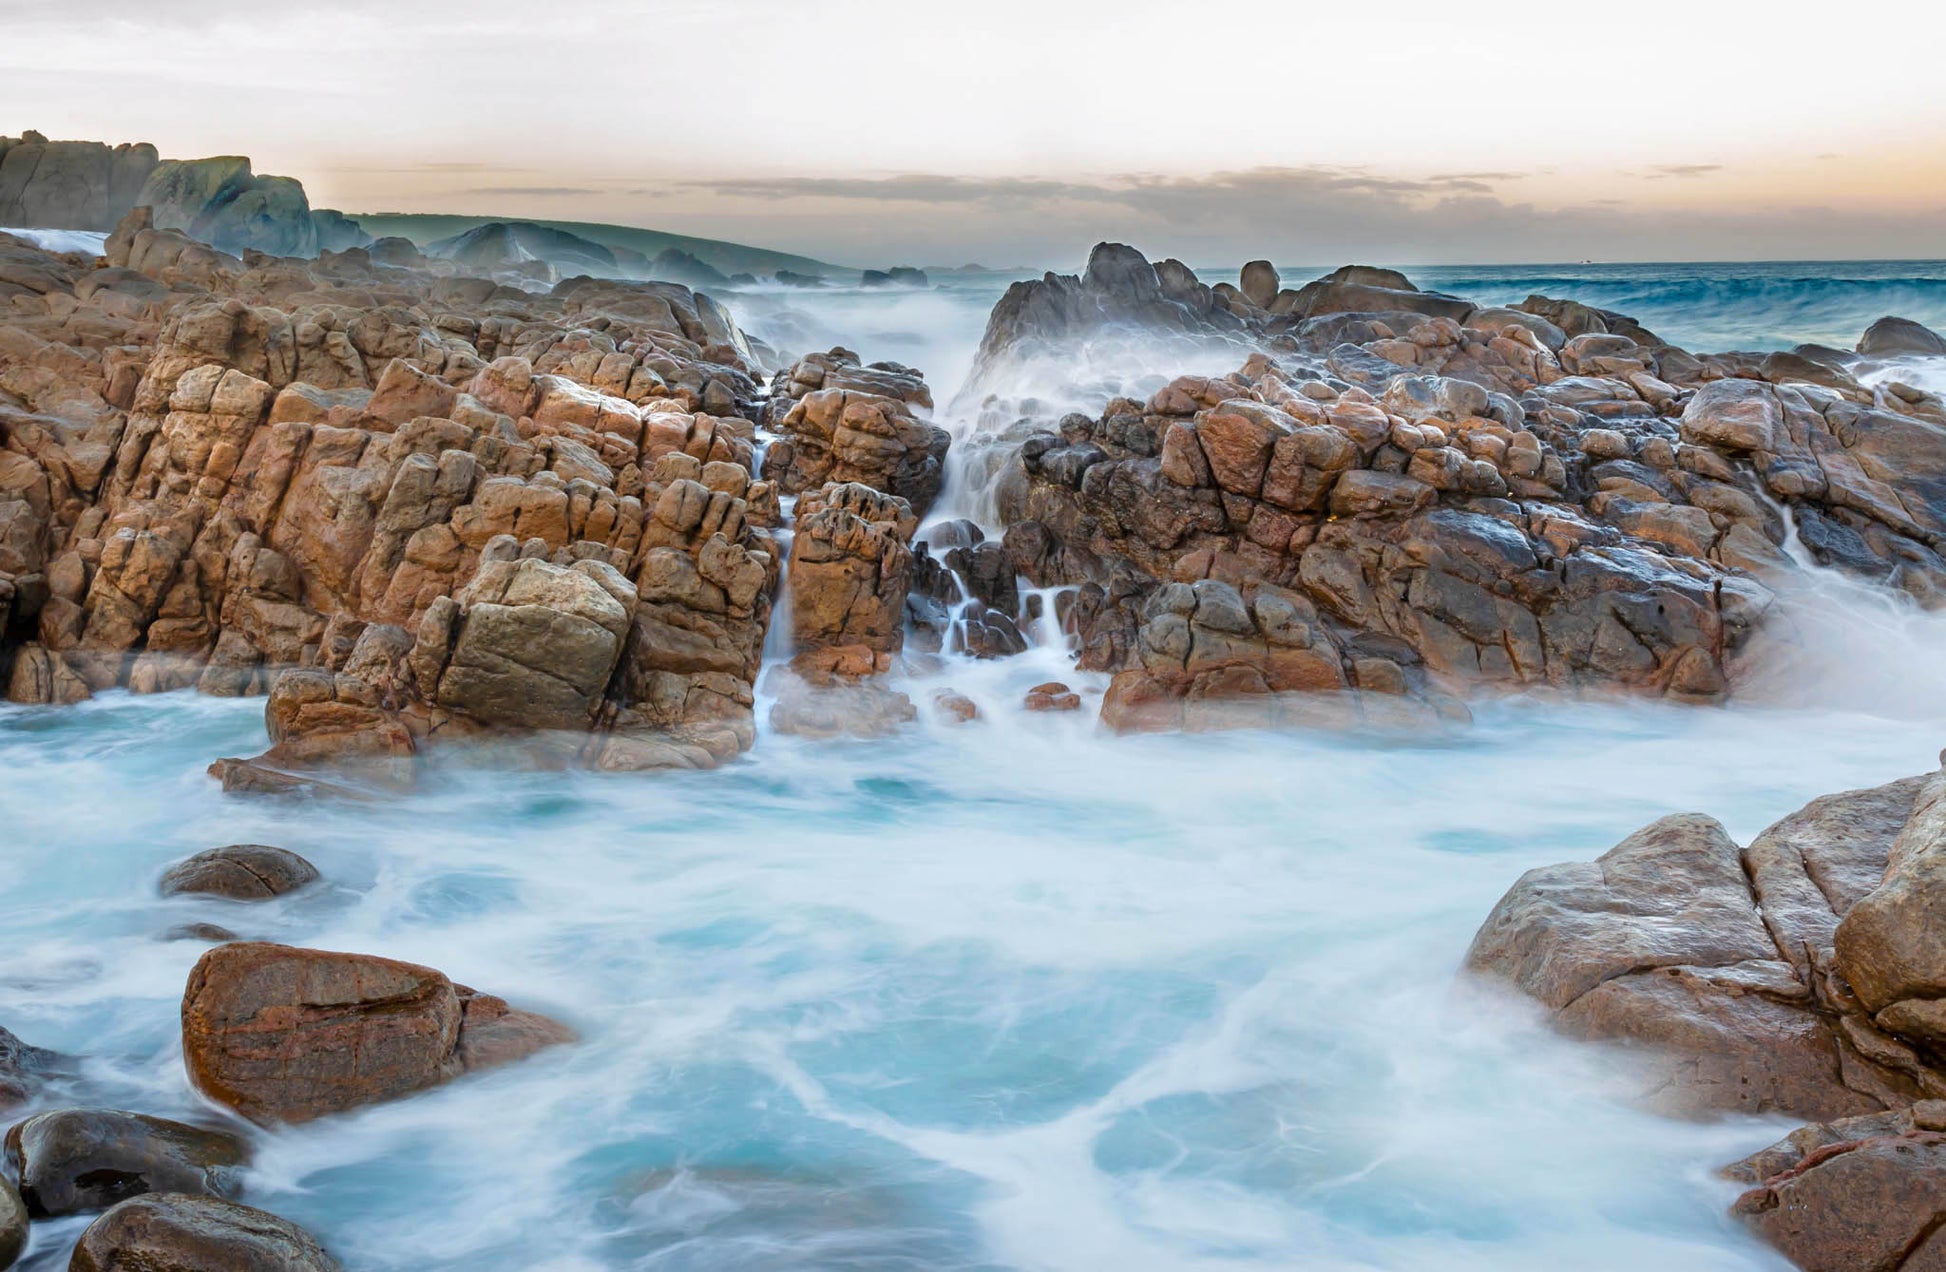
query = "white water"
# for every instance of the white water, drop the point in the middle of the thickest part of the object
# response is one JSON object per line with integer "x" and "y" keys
{"x": 1015, "y": 995}
{"x": 88, "y": 241}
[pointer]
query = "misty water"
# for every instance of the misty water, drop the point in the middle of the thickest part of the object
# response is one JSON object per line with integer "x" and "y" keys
{"x": 1017, "y": 995}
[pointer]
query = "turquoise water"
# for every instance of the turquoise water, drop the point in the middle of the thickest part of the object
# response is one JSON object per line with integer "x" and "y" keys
{"x": 1017, "y": 995}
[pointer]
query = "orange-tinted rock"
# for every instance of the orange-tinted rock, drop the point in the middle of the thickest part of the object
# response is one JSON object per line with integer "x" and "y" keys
{"x": 282, "y": 1034}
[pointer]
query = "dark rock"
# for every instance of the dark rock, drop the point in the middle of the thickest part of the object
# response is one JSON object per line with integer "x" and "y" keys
{"x": 1891, "y": 337}
{"x": 242, "y": 872}
{"x": 73, "y": 1160}
{"x": 23, "y": 1069}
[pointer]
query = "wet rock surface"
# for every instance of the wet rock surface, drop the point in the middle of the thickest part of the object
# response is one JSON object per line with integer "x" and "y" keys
{"x": 282, "y": 1034}
{"x": 178, "y": 1233}
{"x": 74, "y": 1160}
{"x": 1795, "y": 976}
{"x": 241, "y": 872}
{"x": 24, "y": 1069}
{"x": 1437, "y": 499}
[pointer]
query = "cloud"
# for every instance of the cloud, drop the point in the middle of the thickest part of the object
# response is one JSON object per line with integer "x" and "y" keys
{"x": 1682, "y": 171}
{"x": 550, "y": 192}
{"x": 1132, "y": 189}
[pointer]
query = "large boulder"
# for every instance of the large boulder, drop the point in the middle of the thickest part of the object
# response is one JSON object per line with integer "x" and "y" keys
{"x": 1892, "y": 337}
{"x": 13, "y": 1224}
{"x": 173, "y": 1232}
{"x": 73, "y": 1160}
{"x": 282, "y": 1034}
{"x": 1712, "y": 962}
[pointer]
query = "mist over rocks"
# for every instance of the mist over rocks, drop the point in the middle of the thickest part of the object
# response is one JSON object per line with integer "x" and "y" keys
{"x": 1439, "y": 497}
{"x": 419, "y": 506}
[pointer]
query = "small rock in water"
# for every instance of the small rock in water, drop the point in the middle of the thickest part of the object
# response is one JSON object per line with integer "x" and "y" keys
{"x": 199, "y": 932}
{"x": 955, "y": 707}
{"x": 242, "y": 872}
{"x": 1052, "y": 696}
{"x": 282, "y": 1034}
{"x": 172, "y": 1232}
{"x": 73, "y": 1160}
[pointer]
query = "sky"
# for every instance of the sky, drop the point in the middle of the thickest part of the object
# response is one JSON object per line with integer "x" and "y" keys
{"x": 1009, "y": 132}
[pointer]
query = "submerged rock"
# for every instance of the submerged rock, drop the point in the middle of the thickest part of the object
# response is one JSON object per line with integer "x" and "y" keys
{"x": 23, "y": 1069}
{"x": 73, "y": 1160}
{"x": 241, "y": 872}
{"x": 173, "y": 1232}
{"x": 282, "y": 1034}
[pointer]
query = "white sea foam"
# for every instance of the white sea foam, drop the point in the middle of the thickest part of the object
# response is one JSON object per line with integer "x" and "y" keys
{"x": 87, "y": 241}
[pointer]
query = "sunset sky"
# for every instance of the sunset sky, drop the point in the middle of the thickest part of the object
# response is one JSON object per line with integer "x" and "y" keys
{"x": 876, "y": 132}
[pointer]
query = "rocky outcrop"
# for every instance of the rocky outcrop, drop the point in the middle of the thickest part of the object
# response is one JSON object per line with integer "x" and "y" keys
{"x": 86, "y": 185}
{"x": 174, "y": 1232}
{"x": 850, "y": 570}
{"x": 282, "y": 1034}
{"x": 70, "y": 185}
{"x": 1423, "y": 541}
{"x": 75, "y": 1160}
{"x": 1797, "y": 975}
{"x": 1447, "y": 498}
{"x": 842, "y": 422}
{"x": 240, "y": 872}
{"x": 200, "y": 487}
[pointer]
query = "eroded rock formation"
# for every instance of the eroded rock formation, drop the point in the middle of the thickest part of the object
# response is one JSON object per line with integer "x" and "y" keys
{"x": 1802, "y": 974}
{"x": 1436, "y": 498}
{"x": 212, "y": 470}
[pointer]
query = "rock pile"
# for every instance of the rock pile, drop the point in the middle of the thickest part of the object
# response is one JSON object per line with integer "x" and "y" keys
{"x": 1415, "y": 497}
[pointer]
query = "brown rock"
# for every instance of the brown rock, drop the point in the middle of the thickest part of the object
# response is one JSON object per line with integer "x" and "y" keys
{"x": 1052, "y": 696}
{"x": 242, "y": 872}
{"x": 282, "y": 1034}
{"x": 172, "y": 1232}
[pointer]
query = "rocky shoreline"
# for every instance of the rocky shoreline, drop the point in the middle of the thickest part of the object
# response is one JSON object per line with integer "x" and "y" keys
{"x": 418, "y": 509}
